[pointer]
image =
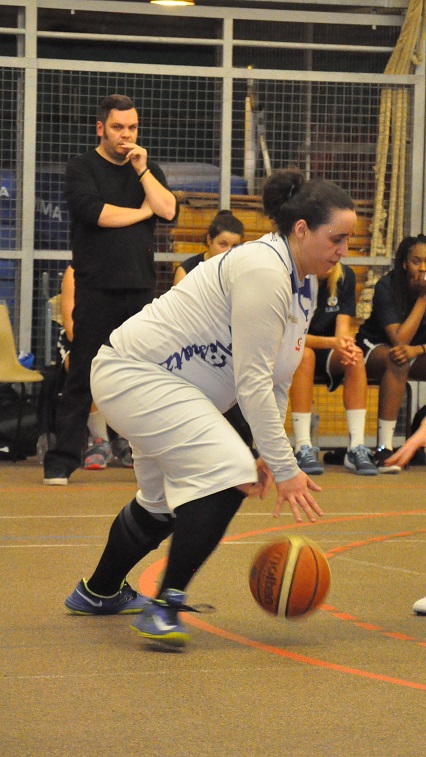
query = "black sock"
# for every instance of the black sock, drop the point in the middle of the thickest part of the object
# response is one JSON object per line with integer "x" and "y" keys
{"x": 198, "y": 529}
{"x": 134, "y": 533}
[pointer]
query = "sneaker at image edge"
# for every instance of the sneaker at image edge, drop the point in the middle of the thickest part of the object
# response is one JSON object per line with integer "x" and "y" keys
{"x": 159, "y": 620}
{"x": 419, "y": 607}
{"x": 381, "y": 454}
{"x": 307, "y": 460}
{"x": 98, "y": 455}
{"x": 126, "y": 601}
{"x": 360, "y": 461}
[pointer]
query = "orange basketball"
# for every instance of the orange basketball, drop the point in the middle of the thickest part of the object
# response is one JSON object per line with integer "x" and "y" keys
{"x": 290, "y": 578}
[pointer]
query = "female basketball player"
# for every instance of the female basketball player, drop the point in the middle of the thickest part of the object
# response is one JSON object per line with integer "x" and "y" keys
{"x": 233, "y": 330}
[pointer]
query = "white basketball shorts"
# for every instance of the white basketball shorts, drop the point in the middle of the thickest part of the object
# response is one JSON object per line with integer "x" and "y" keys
{"x": 183, "y": 448}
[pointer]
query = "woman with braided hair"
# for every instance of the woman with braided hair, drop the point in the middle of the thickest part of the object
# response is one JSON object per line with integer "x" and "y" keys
{"x": 393, "y": 339}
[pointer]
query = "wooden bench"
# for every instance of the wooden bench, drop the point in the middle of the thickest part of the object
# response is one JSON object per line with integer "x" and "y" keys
{"x": 319, "y": 381}
{"x": 197, "y": 210}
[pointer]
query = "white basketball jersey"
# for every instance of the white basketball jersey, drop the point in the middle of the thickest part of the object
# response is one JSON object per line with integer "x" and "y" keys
{"x": 235, "y": 327}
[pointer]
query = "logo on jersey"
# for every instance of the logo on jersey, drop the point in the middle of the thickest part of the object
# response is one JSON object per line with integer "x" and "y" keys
{"x": 215, "y": 353}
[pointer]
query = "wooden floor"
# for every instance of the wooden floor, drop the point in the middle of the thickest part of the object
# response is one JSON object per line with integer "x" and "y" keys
{"x": 349, "y": 681}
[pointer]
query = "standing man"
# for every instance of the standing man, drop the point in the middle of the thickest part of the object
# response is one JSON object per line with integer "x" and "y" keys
{"x": 115, "y": 195}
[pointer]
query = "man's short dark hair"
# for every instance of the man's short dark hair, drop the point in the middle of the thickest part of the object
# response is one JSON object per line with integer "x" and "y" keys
{"x": 113, "y": 102}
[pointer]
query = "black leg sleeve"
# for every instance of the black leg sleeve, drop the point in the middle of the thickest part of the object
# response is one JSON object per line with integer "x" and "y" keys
{"x": 133, "y": 534}
{"x": 198, "y": 529}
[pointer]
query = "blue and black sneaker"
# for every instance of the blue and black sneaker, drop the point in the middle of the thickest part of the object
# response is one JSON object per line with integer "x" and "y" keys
{"x": 159, "y": 620}
{"x": 308, "y": 462}
{"x": 360, "y": 460}
{"x": 125, "y": 602}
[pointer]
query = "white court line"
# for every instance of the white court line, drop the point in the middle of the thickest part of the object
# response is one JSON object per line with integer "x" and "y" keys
{"x": 380, "y": 566}
{"x": 53, "y": 517}
{"x": 44, "y": 546}
{"x": 254, "y": 515}
{"x": 398, "y": 542}
{"x": 136, "y": 674}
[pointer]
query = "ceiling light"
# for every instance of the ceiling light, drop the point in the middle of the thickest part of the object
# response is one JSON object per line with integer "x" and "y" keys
{"x": 172, "y": 2}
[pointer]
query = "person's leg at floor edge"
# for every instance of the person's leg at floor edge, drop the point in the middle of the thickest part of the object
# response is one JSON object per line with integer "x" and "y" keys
{"x": 198, "y": 528}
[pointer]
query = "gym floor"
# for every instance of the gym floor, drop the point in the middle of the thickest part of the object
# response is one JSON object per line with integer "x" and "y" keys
{"x": 348, "y": 680}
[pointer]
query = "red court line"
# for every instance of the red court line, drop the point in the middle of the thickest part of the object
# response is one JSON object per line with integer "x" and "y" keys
{"x": 370, "y": 626}
{"x": 372, "y": 540}
{"x": 147, "y": 585}
{"x": 326, "y": 521}
{"x": 301, "y": 658}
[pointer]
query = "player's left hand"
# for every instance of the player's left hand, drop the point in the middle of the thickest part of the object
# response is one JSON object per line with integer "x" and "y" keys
{"x": 297, "y": 492}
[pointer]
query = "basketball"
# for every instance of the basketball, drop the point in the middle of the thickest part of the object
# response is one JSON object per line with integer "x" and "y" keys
{"x": 290, "y": 578}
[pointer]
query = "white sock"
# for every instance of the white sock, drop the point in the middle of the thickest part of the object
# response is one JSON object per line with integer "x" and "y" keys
{"x": 386, "y": 431}
{"x": 97, "y": 425}
{"x": 356, "y": 426}
{"x": 302, "y": 430}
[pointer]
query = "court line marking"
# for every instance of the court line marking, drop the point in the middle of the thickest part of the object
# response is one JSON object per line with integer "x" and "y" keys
{"x": 101, "y": 543}
{"x": 327, "y": 521}
{"x": 226, "y": 539}
{"x": 239, "y": 514}
{"x": 390, "y": 568}
{"x": 147, "y": 585}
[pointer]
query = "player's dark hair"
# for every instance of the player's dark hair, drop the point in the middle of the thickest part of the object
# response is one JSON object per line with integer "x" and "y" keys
{"x": 113, "y": 102}
{"x": 403, "y": 296}
{"x": 288, "y": 197}
{"x": 224, "y": 221}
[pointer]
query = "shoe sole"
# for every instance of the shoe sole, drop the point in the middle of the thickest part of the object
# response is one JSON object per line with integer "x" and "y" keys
{"x": 353, "y": 469}
{"x": 363, "y": 472}
{"x": 94, "y": 466}
{"x": 176, "y": 639}
{"x": 389, "y": 469}
{"x": 55, "y": 481}
{"x": 314, "y": 472}
{"x": 78, "y": 612}
{"x": 135, "y": 611}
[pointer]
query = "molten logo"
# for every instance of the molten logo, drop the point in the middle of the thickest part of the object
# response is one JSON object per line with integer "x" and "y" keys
{"x": 271, "y": 578}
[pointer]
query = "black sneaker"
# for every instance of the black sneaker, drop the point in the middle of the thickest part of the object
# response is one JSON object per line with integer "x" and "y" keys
{"x": 55, "y": 476}
{"x": 122, "y": 452}
{"x": 381, "y": 454}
